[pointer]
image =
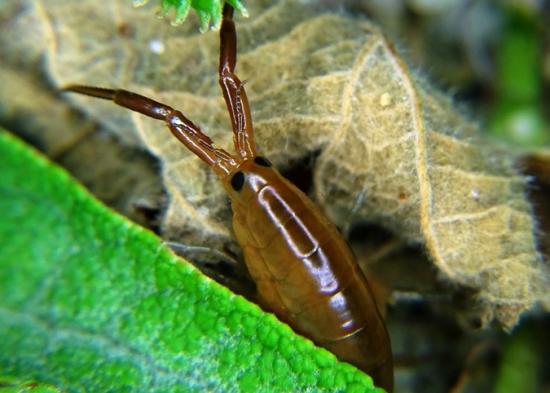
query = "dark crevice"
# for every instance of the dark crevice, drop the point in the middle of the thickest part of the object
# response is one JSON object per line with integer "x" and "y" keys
{"x": 300, "y": 171}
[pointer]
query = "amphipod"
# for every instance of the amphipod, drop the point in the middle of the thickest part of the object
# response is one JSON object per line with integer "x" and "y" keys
{"x": 304, "y": 270}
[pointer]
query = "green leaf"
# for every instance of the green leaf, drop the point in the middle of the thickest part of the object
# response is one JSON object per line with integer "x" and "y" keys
{"x": 517, "y": 115}
{"x": 92, "y": 302}
{"x": 209, "y": 11}
{"x": 522, "y": 359}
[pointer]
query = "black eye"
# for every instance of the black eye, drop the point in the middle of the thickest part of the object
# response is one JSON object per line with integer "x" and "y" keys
{"x": 237, "y": 181}
{"x": 262, "y": 161}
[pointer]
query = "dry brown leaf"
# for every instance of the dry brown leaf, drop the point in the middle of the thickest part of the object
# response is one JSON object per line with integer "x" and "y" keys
{"x": 393, "y": 150}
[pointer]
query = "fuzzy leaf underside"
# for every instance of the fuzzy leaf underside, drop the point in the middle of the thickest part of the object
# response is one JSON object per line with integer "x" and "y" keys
{"x": 393, "y": 150}
{"x": 92, "y": 302}
{"x": 14, "y": 385}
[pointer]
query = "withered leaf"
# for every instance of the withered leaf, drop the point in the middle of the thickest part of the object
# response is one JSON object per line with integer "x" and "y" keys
{"x": 394, "y": 150}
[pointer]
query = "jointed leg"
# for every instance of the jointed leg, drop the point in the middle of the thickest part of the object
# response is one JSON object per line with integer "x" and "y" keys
{"x": 233, "y": 89}
{"x": 182, "y": 128}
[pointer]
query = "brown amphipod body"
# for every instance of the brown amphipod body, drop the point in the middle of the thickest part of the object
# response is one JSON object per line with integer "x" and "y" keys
{"x": 304, "y": 270}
